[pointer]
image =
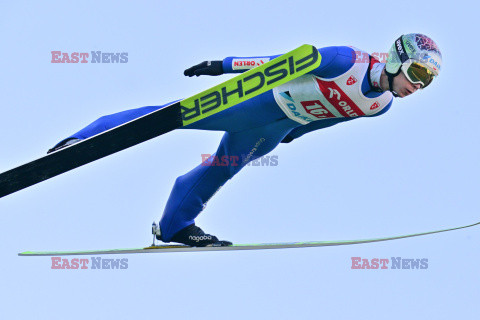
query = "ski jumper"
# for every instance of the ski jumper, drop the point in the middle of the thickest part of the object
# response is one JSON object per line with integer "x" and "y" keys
{"x": 340, "y": 89}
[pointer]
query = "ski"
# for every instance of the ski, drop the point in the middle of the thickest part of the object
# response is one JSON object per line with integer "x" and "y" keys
{"x": 254, "y": 246}
{"x": 211, "y": 101}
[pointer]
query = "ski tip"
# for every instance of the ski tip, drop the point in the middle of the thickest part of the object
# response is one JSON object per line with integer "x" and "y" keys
{"x": 25, "y": 253}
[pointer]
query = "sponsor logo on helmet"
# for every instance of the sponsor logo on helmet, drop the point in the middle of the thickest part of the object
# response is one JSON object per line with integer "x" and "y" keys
{"x": 351, "y": 80}
{"x": 423, "y": 57}
{"x": 435, "y": 63}
{"x": 409, "y": 45}
{"x": 375, "y": 105}
{"x": 399, "y": 46}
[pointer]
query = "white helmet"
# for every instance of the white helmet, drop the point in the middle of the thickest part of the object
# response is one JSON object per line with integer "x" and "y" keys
{"x": 417, "y": 56}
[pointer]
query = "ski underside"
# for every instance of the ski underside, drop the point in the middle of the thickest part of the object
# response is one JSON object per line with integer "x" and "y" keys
{"x": 254, "y": 246}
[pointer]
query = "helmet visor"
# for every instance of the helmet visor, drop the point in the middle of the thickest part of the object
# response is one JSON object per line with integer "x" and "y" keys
{"x": 417, "y": 73}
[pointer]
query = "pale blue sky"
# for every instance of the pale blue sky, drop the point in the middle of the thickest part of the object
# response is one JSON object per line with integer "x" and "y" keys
{"x": 413, "y": 169}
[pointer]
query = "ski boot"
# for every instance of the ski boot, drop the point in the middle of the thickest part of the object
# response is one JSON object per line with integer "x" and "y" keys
{"x": 192, "y": 236}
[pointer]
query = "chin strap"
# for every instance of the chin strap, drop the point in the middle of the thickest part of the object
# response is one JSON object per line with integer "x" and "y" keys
{"x": 390, "y": 83}
{"x": 403, "y": 56}
{"x": 390, "y": 77}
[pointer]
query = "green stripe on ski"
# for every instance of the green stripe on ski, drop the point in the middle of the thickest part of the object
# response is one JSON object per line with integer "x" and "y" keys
{"x": 252, "y": 246}
{"x": 250, "y": 83}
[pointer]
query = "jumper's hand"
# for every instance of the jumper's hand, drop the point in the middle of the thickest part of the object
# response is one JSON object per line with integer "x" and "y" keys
{"x": 211, "y": 68}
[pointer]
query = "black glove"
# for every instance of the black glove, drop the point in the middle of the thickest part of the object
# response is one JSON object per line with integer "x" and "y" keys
{"x": 211, "y": 68}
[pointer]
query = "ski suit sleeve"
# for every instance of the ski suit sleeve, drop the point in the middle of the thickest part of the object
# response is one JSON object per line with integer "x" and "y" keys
{"x": 242, "y": 64}
{"x": 333, "y": 62}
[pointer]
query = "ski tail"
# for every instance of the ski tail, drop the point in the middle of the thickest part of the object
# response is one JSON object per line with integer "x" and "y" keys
{"x": 209, "y": 102}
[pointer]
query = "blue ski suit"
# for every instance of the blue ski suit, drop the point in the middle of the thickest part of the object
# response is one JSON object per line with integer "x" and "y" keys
{"x": 252, "y": 129}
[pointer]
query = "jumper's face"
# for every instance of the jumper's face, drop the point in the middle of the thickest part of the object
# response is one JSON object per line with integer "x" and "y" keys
{"x": 403, "y": 87}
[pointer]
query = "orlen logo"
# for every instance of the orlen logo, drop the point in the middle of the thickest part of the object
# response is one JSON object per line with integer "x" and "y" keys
{"x": 246, "y": 63}
{"x": 240, "y": 64}
{"x": 345, "y": 107}
{"x": 375, "y": 105}
{"x": 351, "y": 80}
{"x": 339, "y": 99}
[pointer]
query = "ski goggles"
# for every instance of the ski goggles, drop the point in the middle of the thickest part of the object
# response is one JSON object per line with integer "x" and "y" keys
{"x": 417, "y": 73}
